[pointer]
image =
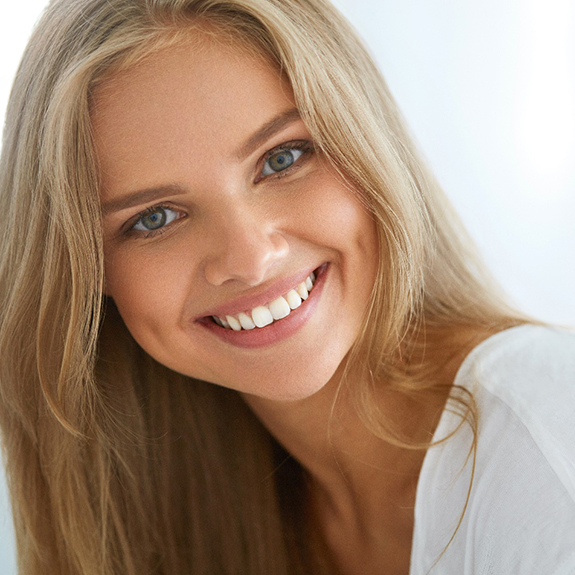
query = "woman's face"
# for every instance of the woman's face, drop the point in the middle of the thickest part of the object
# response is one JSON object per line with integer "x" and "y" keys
{"x": 215, "y": 205}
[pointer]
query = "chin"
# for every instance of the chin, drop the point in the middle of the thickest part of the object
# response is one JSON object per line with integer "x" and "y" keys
{"x": 292, "y": 387}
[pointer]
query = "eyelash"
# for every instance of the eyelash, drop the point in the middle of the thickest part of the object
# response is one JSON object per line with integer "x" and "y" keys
{"x": 151, "y": 233}
{"x": 303, "y": 146}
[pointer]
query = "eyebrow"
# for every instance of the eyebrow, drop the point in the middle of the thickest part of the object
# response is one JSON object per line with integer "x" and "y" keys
{"x": 147, "y": 195}
{"x": 140, "y": 197}
{"x": 268, "y": 130}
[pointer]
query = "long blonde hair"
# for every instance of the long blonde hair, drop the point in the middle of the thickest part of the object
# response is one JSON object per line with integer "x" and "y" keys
{"x": 117, "y": 465}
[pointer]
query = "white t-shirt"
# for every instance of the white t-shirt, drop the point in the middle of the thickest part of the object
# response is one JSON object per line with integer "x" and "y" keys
{"x": 520, "y": 517}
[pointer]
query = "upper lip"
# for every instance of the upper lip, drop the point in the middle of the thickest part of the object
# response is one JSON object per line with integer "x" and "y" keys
{"x": 248, "y": 302}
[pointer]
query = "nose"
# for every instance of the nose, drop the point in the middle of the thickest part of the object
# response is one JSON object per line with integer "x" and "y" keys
{"x": 244, "y": 247}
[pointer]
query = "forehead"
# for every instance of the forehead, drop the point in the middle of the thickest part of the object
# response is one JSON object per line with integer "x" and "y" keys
{"x": 182, "y": 100}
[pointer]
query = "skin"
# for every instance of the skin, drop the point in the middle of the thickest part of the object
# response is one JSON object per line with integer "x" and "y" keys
{"x": 175, "y": 124}
{"x": 178, "y": 120}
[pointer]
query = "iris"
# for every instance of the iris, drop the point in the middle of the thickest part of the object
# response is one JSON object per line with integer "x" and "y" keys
{"x": 281, "y": 160}
{"x": 154, "y": 220}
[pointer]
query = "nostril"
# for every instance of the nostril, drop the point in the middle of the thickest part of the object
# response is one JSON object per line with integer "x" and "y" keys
{"x": 245, "y": 257}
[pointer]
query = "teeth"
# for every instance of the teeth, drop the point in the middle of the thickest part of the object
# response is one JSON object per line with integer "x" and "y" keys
{"x": 266, "y": 314}
{"x": 234, "y": 323}
{"x": 302, "y": 290}
{"x": 280, "y": 308}
{"x": 293, "y": 299}
{"x": 246, "y": 321}
{"x": 262, "y": 316}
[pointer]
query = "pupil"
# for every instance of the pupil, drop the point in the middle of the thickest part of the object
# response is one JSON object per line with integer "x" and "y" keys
{"x": 281, "y": 161}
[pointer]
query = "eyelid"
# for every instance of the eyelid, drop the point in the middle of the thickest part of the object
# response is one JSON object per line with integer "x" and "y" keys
{"x": 128, "y": 227}
{"x": 305, "y": 146}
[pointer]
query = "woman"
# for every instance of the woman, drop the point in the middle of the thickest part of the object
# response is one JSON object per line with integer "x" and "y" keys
{"x": 235, "y": 308}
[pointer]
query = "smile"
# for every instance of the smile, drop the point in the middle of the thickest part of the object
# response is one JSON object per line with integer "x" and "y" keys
{"x": 264, "y": 315}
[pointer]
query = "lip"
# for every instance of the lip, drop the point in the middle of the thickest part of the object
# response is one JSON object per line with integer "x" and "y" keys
{"x": 247, "y": 303}
{"x": 278, "y": 330}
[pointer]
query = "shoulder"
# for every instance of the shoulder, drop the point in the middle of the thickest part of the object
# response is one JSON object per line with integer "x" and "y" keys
{"x": 520, "y": 514}
{"x": 529, "y": 373}
{"x": 528, "y": 358}
{"x": 523, "y": 380}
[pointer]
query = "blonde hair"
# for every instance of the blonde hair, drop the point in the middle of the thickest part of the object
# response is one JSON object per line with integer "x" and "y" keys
{"x": 117, "y": 465}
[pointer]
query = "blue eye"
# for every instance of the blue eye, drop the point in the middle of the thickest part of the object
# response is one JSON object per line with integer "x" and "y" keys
{"x": 154, "y": 219}
{"x": 281, "y": 160}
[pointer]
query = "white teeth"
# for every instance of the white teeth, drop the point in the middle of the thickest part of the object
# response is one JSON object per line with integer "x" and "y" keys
{"x": 262, "y": 316}
{"x": 246, "y": 321}
{"x": 234, "y": 323}
{"x": 293, "y": 299}
{"x": 279, "y": 308}
{"x": 265, "y": 315}
{"x": 302, "y": 290}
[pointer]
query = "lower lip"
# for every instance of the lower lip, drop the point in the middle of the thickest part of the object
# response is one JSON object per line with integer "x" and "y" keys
{"x": 278, "y": 330}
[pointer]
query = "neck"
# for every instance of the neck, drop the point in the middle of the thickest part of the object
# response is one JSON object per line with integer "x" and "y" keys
{"x": 348, "y": 464}
{"x": 360, "y": 484}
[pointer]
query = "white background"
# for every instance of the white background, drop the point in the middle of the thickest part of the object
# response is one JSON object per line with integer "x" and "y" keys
{"x": 488, "y": 89}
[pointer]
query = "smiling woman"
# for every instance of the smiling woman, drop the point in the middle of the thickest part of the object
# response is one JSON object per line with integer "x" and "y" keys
{"x": 255, "y": 331}
{"x": 248, "y": 204}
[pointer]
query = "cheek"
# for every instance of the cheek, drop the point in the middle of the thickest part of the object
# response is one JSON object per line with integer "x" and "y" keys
{"x": 147, "y": 291}
{"x": 340, "y": 217}
{"x": 331, "y": 208}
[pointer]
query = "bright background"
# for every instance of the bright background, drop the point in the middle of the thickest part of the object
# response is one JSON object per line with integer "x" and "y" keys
{"x": 488, "y": 89}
